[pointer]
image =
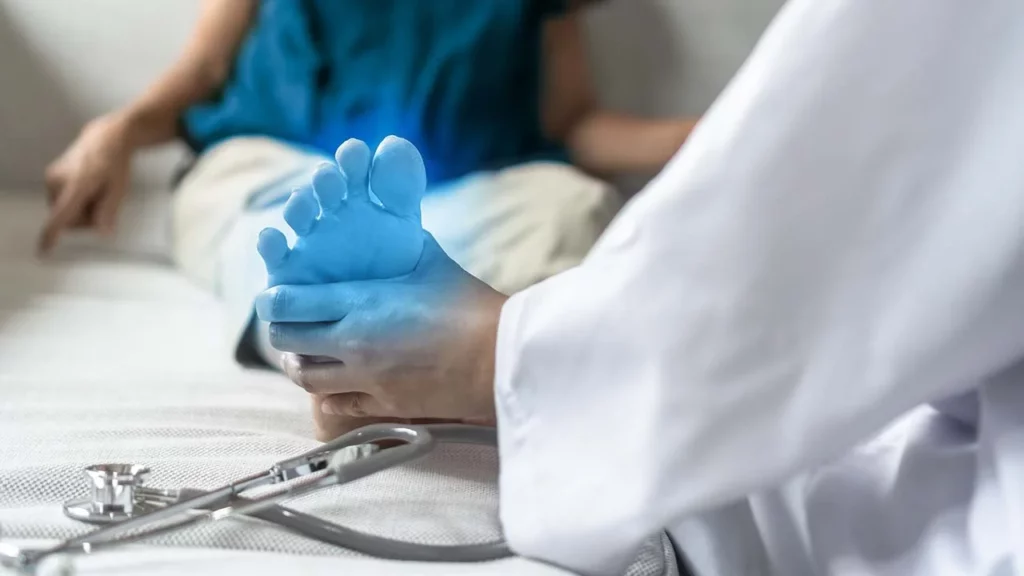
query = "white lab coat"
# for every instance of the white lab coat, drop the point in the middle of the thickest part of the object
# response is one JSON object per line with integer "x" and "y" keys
{"x": 840, "y": 242}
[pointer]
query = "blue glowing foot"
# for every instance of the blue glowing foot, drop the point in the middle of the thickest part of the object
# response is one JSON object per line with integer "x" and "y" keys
{"x": 342, "y": 235}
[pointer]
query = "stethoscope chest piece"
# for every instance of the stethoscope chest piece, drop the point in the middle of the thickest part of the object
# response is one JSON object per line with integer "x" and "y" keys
{"x": 113, "y": 494}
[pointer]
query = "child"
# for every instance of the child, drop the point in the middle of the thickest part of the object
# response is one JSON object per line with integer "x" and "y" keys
{"x": 494, "y": 94}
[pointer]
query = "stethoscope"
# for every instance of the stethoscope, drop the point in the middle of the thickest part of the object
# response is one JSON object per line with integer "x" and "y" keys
{"x": 129, "y": 511}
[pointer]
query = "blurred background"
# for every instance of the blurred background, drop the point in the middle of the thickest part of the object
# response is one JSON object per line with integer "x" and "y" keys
{"x": 63, "y": 62}
{"x": 108, "y": 353}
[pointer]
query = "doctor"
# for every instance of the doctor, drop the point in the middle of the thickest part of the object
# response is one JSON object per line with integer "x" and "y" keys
{"x": 840, "y": 243}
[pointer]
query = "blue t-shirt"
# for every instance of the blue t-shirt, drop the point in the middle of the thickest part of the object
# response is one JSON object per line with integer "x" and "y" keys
{"x": 461, "y": 79}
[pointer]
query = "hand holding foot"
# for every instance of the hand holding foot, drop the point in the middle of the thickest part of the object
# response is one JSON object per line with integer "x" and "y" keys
{"x": 419, "y": 346}
{"x": 343, "y": 235}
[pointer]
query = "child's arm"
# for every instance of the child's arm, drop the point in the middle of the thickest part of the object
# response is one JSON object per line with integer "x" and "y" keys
{"x": 88, "y": 182}
{"x": 599, "y": 140}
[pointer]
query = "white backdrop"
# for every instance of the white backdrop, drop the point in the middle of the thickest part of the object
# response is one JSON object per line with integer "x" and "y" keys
{"x": 65, "y": 61}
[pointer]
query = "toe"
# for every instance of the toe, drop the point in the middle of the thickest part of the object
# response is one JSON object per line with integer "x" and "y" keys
{"x": 273, "y": 248}
{"x": 330, "y": 186}
{"x": 353, "y": 158}
{"x": 398, "y": 176}
{"x": 301, "y": 210}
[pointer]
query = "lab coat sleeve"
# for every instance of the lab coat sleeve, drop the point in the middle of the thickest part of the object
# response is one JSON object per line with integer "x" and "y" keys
{"x": 841, "y": 240}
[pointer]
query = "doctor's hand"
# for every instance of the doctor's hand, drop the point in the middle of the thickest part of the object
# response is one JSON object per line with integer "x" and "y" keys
{"x": 417, "y": 346}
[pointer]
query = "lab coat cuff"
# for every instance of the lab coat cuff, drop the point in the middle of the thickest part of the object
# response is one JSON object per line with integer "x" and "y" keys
{"x": 518, "y": 512}
{"x": 511, "y": 417}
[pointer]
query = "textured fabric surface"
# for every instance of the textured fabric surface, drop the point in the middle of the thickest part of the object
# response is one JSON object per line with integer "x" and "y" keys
{"x": 119, "y": 359}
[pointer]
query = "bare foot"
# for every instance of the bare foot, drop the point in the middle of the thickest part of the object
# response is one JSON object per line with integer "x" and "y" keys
{"x": 342, "y": 234}
{"x": 330, "y": 426}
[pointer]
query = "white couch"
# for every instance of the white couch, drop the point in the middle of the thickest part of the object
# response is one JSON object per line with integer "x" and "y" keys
{"x": 107, "y": 354}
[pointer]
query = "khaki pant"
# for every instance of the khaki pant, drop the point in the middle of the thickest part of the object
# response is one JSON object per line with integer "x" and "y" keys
{"x": 510, "y": 228}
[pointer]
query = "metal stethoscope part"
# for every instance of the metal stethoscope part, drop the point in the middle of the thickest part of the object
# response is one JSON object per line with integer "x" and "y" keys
{"x": 132, "y": 512}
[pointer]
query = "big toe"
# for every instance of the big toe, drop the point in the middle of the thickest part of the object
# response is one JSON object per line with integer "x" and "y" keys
{"x": 398, "y": 176}
{"x": 353, "y": 158}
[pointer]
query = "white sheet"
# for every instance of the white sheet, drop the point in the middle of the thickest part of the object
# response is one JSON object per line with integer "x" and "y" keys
{"x": 107, "y": 355}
